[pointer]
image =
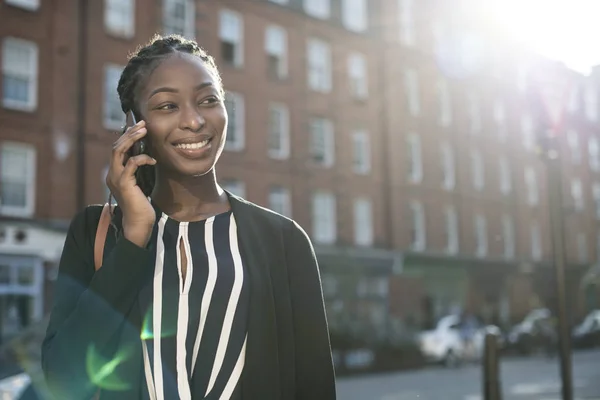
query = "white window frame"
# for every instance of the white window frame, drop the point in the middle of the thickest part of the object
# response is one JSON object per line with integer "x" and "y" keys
{"x": 577, "y": 194}
{"x": 170, "y": 25}
{"x": 406, "y": 22}
{"x": 508, "y": 236}
{"x": 29, "y": 5}
{"x": 574, "y": 100}
{"x": 451, "y": 219}
{"x": 119, "y": 18}
{"x": 29, "y": 72}
{"x": 596, "y": 196}
{"x": 505, "y": 176}
{"x": 419, "y": 242}
{"x": 231, "y": 30}
{"x": 444, "y": 102}
{"x": 280, "y": 200}
{"x": 527, "y": 132}
{"x": 324, "y": 219}
{"x": 283, "y": 131}
{"x": 111, "y": 103}
{"x": 574, "y": 146}
{"x": 320, "y": 9}
{"x": 411, "y": 85}
{"x": 30, "y": 152}
{"x": 239, "y": 114}
{"x": 536, "y": 241}
{"x": 319, "y": 67}
{"x": 594, "y": 153}
{"x": 324, "y": 127}
{"x": 355, "y": 15}
{"x": 477, "y": 170}
{"x": 415, "y": 158}
{"x": 363, "y": 222}
{"x": 276, "y": 45}
{"x": 235, "y": 186}
{"x": 500, "y": 120}
{"x": 358, "y": 75}
{"x": 582, "y": 248}
{"x": 474, "y": 110}
{"x": 531, "y": 185}
{"x": 481, "y": 236}
{"x": 448, "y": 166}
{"x": 362, "y": 152}
{"x": 591, "y": 103}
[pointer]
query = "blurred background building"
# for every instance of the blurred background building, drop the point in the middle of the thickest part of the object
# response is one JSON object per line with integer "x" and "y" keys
{"x": 398, "y": 133}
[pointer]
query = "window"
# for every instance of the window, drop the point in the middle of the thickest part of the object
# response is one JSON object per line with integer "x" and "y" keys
{"x": 474, "y": 113}
{"x": 231, "y": 34}
{"x": 481, "y": 242}
{"x": 443, "y": 92}
{"x": 322, "y": 143}
{"x": 318, "y": 8}
{"x": 362, "y": 152}
{"x": 276, "y": 49}
{"x": 280, "y": 1}
{"x": 357, "y": 72}
{"x": 591, "y": 104}
{"x": 236, "y": 137}
{"x": 19, "y": 74}
{"x": 505, "y": 175}
{"x": 451, "y": 230}
{"x": 411, "y": 83}
{"x": 573, "y": 140}
{"x": 234, "y": 186}
{"x": 533, "y": 196}
{"x": 598, "y": 247}
{"x": 324, "y": 218}
{"x": 354, "y": 15}
{"x": 363, "y": 222}
{"x": 279, "y": 200}
{"x": 577, "y": 193}
{"x": 17, "y": 179}
{"x": 279, "y": 131}
{"x": 417, "y": 233}
{"x": 30, "y": 5}
{"x": 508, "y": 236}
{"x": 179, "y": 18}
{"x": 574, "y": 100}
{"x": 596, "y": 195}
{"x": 114, "y": 119}
{"x": 594, "y": 152}
{"x": 536, "y": 242}
{"x": 500, "y": 120}
{"x": 527, "y": 132}
{"x": 448, "y": 167}
{"x": 477, "y": 170}
{"x": 415, "y": 162}
{"x": 319, "y": 65}
{"x": 119, "y": 17}
{"x": 406, "y": 22}
{"x": 582, "y": 252}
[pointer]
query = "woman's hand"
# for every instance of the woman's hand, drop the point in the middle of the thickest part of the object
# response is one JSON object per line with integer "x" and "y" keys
{"x": 138, "y": 214}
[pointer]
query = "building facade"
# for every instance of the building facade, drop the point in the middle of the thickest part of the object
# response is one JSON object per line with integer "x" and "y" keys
{"x": 404, "y": 145}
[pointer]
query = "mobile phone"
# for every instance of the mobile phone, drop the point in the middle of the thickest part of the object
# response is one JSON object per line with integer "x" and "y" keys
{"x": 139, "y": 147}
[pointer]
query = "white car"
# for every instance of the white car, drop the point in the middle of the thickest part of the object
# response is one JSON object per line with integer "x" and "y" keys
{"x": 14, "y": 386}
{"x": 445, "y": 345}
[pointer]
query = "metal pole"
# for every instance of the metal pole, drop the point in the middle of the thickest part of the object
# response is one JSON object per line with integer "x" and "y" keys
{"x": 80, "y": 173}
{"x": 492, "y": 387}
{"x": 555, "y": 198}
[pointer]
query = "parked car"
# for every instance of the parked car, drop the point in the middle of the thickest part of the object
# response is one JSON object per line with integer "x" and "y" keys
{"x": 587, "y": 334}
{"x": 445, "y": 345}
{"x": 536, "y": 331}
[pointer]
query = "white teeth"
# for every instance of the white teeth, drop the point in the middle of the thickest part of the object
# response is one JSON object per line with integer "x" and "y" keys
{"x": 193, "y": 146}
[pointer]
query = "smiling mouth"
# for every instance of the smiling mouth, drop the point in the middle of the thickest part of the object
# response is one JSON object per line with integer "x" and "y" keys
{"x": 193, "y": 146}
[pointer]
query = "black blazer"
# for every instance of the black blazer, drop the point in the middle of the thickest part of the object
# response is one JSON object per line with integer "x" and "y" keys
{"x": 97, "y": 317}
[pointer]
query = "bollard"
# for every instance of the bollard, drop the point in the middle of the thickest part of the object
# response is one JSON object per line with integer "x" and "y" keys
{"x": 492, "y": 389}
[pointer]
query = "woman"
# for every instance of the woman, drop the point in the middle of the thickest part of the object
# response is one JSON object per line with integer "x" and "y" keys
{"x": 201, "y": 295}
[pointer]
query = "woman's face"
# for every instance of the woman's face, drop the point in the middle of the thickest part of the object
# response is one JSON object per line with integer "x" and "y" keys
{"x": 185, "y": 116}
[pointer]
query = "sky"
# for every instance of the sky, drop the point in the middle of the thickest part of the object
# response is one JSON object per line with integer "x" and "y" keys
{"x": 563, "y": 30}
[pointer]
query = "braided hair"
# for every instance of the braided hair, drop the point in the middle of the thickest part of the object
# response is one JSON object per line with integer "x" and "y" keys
{"x": 141, "y": 64}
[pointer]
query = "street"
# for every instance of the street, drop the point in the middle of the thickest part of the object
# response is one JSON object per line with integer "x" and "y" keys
{"x": 522, "y": 379}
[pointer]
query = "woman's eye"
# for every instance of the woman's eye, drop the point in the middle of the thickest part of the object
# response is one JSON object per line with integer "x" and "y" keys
{"x": 209, "y": 100}
{"x": 167, "y": 107}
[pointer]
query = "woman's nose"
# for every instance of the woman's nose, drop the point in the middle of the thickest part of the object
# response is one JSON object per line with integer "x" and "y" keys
{"x": 192, "y": 119}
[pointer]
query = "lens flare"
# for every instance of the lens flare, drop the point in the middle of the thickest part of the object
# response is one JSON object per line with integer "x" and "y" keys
{"x": 103, "y": 372}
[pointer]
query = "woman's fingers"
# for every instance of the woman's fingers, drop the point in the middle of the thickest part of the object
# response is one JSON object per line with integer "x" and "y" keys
{"x": 134, "y": 163}
{"x": 124, "y": 143}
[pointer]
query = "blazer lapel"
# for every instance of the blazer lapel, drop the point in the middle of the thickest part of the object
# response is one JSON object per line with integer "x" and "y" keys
{"x": 261, "y": 376}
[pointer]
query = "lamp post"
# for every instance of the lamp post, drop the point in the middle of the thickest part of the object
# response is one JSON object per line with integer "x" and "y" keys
{"x": 552, "y": 92}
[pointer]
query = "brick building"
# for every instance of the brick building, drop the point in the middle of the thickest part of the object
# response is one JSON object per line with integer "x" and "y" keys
{"x": 402, "y": 143}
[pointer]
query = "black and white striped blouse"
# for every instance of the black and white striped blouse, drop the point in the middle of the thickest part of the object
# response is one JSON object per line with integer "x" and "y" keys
{"x": 200, "y": 320}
